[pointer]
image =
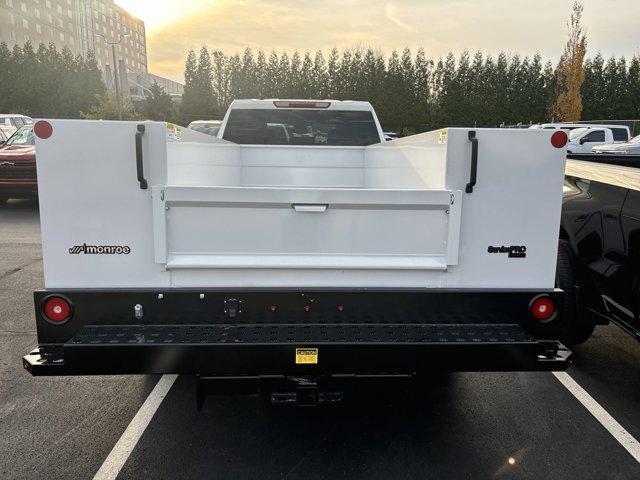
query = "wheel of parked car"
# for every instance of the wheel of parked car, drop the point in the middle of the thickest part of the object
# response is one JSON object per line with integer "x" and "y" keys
{"x": 577, "y": 322}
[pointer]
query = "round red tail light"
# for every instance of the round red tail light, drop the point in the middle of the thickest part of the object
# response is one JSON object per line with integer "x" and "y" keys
{"x": 56, "y": 310}
{"x": 43, "y": 129}
{"x": 559, "y": 139}
{"x": 543, "y": 308}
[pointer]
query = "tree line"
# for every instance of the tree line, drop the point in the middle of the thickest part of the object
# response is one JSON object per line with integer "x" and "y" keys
{"x": 411, "y": 90}
{"x": 46, "y": 82}
{"x": 51, "y": 83}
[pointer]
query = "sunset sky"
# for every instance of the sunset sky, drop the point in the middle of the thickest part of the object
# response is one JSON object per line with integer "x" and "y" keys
{"x": 515, "y": 26}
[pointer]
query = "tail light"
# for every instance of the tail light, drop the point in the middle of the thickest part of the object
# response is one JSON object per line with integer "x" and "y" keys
{"x": 559, "y": 139}
{"x": 43, "y": 129}
{"x": 57, "y": 309}
{"x": 300, "y": 104}
{"x": 543, "y": 308}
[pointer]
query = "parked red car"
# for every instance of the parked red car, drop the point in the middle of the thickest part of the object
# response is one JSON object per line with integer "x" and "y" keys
{"x": 18, "y": 166}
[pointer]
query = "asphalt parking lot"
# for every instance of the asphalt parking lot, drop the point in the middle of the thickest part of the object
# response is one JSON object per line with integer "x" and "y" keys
{"x": 471, "y": 425}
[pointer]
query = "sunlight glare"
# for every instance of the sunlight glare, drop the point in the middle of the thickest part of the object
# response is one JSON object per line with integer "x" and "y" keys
{"x": 157, "y": 14}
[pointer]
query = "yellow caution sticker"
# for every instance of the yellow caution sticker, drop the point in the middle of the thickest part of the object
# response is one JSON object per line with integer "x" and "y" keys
{"x": 174, "y": 132}
{"x": 442, "y": 136}
{"x": 306, "y": 356}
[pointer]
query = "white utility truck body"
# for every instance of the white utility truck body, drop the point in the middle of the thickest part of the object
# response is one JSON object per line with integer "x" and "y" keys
{"x": 271, "y": 233}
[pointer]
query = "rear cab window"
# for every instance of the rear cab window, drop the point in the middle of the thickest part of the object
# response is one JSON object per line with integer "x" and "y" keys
{"x": 620, "y": 134}
{"x": 291, "y": 126}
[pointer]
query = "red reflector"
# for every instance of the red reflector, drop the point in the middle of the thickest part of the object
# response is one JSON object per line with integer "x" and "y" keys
{"x": 543, "y": 308}
{"x": 288, "y": 104}
{"x": 43, "y": 129}
{"x": 559, "y": 139}
{"x": 307, "y": 308}
{"x": 341, "y": 308}
{"x": 57, "y": 309}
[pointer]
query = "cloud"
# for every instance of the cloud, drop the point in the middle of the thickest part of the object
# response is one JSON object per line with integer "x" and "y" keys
{"x": 392, "y": 14}
{"x": 438, "y": 26}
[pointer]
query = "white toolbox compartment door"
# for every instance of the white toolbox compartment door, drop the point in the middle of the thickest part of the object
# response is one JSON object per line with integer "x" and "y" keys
{"x": 297, "y": 228}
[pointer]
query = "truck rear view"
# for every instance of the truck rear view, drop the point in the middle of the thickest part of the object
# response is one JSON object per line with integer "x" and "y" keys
{"x": 297, "y": 250}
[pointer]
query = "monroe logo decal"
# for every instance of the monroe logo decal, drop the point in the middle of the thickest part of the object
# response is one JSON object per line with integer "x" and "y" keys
{"x": 100, "y": 249}
{"x": 514, "y": 251}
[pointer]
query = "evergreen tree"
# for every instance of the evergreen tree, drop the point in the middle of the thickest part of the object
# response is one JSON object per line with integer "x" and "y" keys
{"x": 307, "y": 84}
{"x": 294, "y": 79}
{"x": 447, "y": 91}
{"x": 204, "y": 83}
{"x": 422, "y": 106}
{"x": 158, "y": 104}
{"x": 220, "y": 83}
{"x": 284, "y": 77}
{"x": 319, "y": 77}
{"x": 261, "y": 76}
{"x": 234, "y": 77}
{"x": 633, "y": 87}
{"x": 247, "y": 83}
{"x": 393, "y": 108}
{"x": 499, "y": 93}
{"x": 550, "y": 86}
{"x": 344, "y": 80}
{"x": 593, "y": 89}
{"x": 535, "y": 97}
{"x": 272, "y": 87}
{"x": 333, "y": 67}
{"x": 189, "y": 104}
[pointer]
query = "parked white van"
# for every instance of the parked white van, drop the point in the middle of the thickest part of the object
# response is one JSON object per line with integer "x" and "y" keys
{"x": 621, "y": 133}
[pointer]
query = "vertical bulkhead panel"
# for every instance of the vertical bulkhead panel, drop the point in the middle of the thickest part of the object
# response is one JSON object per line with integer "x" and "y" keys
{"x": 96, "y": 220}
{"x": 510, "y": 222}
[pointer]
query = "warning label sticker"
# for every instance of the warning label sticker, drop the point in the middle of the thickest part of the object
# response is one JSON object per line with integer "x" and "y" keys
{"x": 306, "y": 356}
{"x": 442, "y": 136}
{"x": 174, "y": 132}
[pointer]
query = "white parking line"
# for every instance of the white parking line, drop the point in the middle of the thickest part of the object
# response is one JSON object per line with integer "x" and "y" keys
{"x": 127, "y": 442}
{"x": 623, "y": 437}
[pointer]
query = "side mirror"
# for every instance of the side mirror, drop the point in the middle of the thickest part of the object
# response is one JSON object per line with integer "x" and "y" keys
{"x": 583, "y": 141}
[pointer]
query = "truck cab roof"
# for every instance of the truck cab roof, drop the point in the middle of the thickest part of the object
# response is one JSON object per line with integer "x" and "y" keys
{"x": 275, "y": 103}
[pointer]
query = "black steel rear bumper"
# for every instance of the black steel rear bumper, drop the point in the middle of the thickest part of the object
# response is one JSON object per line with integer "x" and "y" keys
{"x": 257, "y": 333}
{"x": 271, "y": 350}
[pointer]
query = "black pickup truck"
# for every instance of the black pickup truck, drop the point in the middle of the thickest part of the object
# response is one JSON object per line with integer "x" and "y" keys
{"x": 599, "y": 251}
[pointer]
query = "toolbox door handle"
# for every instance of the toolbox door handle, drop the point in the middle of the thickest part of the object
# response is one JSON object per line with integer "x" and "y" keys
{"x": 474, "y": 161}
{"x": 139, "y": 159}
{"x": 310, "y": 208}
